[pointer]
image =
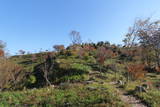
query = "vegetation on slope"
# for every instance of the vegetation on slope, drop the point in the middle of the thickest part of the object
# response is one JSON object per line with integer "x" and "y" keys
{"x": 80, "y": 74}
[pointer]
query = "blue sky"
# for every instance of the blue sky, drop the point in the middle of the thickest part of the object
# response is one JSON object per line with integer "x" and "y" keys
{"x": 34, "y": 24}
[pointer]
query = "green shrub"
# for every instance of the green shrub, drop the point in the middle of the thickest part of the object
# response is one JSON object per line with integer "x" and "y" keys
{"x": 31, "y": 80}
{"x": 80, "y": 67}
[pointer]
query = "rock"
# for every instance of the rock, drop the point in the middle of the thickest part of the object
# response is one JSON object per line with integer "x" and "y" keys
{"x": 67, "y": 104}
{"x": 145, "y": 86}
{"x": 140, "y": 89}
{"x": 119, "y": 82}
{"x": 64, "y": 85}
{"x": 52, "y": 86}
{"x": 88, "y": 82}
{"x": 91, "y": 88}
{"x": 34, "y": 89}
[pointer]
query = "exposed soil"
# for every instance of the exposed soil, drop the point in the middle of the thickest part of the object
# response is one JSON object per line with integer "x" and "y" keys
{"x": 131, "y": 100}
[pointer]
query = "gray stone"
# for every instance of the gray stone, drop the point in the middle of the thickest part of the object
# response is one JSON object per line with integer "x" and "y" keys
{"x": 145, "y": 86}
{"x": 34, "y": 89}
{"x": 52, "y": 86}
{"x": 67, "y": 104}
{"x": 88, "y": 82}
{"x": 140, "y": 89}
{"x": 91, "y": 88}
{"x": 64, "y": 85}
{"x": 119, "y": 82}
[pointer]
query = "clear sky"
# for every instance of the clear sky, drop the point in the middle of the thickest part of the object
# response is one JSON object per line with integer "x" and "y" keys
{"x": 34, "y": 24}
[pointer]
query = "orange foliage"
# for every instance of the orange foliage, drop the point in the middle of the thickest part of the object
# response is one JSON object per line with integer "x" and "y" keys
{"x": 1, "y": 53}
{"x": 115, "y": 54}
{"x": 137, "y": 71}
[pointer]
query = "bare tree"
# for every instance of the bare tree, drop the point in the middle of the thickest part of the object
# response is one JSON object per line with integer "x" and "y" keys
{"x": 155, "y": 42}
{"x": 149, "y": 38}
{"x": 48, "y": 66}
{"x": 145, "y": 33}
{"x": 75, "y": 37}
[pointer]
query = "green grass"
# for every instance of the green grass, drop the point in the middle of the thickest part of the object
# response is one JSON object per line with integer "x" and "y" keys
{"x": 75, "y": 95}
{"x": 76, "y": 70}
{"x": 73, "y": 78}
{"x": 152, "y": 97}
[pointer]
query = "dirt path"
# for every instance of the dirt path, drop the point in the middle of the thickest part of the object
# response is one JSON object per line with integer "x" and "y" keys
{"x": 129, "y": 99}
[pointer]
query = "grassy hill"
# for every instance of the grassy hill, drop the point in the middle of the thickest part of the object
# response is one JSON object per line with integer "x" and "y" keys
{"x": 80, "y": 77}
